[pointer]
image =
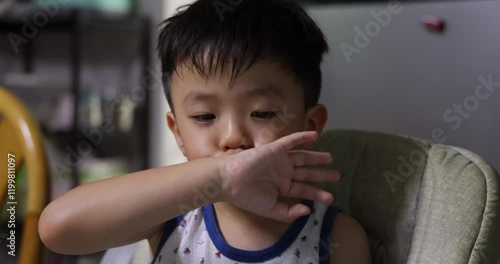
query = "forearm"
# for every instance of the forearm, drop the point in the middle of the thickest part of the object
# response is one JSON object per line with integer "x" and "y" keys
{"x": 103, "y": 214}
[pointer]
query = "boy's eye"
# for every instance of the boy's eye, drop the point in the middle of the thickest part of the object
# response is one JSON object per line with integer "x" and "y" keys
{"x": 203, "y": 118}
{"x": 264, "y": 115}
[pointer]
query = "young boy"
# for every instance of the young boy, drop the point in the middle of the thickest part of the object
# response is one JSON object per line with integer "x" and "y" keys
{"x": 243, "y": 80}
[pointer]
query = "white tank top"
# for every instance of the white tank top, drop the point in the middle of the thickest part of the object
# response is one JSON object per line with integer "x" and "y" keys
{"x": 195, "y": 238}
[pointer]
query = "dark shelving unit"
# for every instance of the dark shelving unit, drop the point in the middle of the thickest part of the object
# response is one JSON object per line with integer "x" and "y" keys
{"x": 75, "y": 22}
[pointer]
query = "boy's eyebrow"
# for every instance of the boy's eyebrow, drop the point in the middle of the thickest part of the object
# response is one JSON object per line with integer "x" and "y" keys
{"x": 197, "y": 96}
{"x": 268, "y": 90}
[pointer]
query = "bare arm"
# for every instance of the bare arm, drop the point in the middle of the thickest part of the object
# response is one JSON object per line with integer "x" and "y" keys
{"x": 124, "y": 209}
{"x": 349, "y": 242}
{"x": 108, "y": 213}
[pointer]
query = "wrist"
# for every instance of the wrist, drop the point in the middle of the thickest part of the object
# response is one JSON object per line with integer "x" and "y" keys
{"x": 213, "y": 185}
{"x": 220, "y": 178}
{"x": 204, "y": 185}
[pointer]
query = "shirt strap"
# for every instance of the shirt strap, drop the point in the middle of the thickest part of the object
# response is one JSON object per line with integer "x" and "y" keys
{"x": 326, "y": 231}
{"x": 167, "y": 231}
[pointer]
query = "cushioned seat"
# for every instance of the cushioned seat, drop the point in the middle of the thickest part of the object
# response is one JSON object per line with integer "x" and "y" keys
{"x": 418, "y": 202}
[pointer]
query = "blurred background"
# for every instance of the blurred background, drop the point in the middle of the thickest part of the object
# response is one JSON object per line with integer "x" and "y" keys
{"x": 88, "y": 72}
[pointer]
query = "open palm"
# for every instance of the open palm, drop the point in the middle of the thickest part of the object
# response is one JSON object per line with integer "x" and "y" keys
{"x": 254, "y": 179}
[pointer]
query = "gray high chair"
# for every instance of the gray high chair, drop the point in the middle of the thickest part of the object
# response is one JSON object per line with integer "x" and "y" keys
{"x": 418, "y": 202}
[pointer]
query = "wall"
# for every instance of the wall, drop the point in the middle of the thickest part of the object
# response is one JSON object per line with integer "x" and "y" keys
{"x": 407, "y": 80}
{"x": 163, "y": 149}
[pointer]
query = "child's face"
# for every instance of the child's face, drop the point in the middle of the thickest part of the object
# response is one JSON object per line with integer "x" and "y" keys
{"x": 215, "y": 117}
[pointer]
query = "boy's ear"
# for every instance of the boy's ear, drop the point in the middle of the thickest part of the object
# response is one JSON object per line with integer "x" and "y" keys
{"x": 315, "y": 120}
{"x": 172, "y": 124}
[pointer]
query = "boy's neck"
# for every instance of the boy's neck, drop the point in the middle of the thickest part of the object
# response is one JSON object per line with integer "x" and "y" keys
{"x": 259, "y": 232}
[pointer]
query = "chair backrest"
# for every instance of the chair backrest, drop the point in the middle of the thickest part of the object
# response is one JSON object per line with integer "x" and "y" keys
{"x": 21, "y": 138}
{"x": 418, "y": 202}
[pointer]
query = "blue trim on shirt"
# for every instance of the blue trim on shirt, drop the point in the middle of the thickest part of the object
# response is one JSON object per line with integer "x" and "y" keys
{"x": 256, "y": 255}
{"x": 169, "y": 228}
{"x": 325, "y": 237}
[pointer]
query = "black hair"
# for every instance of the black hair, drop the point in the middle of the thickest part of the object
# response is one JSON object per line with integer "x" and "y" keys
{"x": 212, "y": 34}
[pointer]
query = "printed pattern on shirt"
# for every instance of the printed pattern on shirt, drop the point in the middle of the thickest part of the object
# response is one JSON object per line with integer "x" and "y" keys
{"x": 190, "y": 242}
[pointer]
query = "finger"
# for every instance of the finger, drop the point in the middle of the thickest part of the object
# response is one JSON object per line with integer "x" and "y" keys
{"x": 306, "y": 191}
{"x": 306, "y": 157}
{"x": 315, "y": 175}
{"x": 292, "y": 140}
{"x": 287, "y": 212}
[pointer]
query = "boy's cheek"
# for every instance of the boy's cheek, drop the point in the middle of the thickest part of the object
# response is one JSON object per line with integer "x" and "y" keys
{"x": 194, "y": 153}
{"x": 271, "y": 134}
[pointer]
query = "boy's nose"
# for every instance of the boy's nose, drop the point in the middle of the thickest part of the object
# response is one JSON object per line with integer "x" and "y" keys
{"x": 234, "y": 136}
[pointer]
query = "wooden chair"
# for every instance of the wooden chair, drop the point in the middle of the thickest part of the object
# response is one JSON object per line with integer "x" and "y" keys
{"x": 21, "y": 137}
